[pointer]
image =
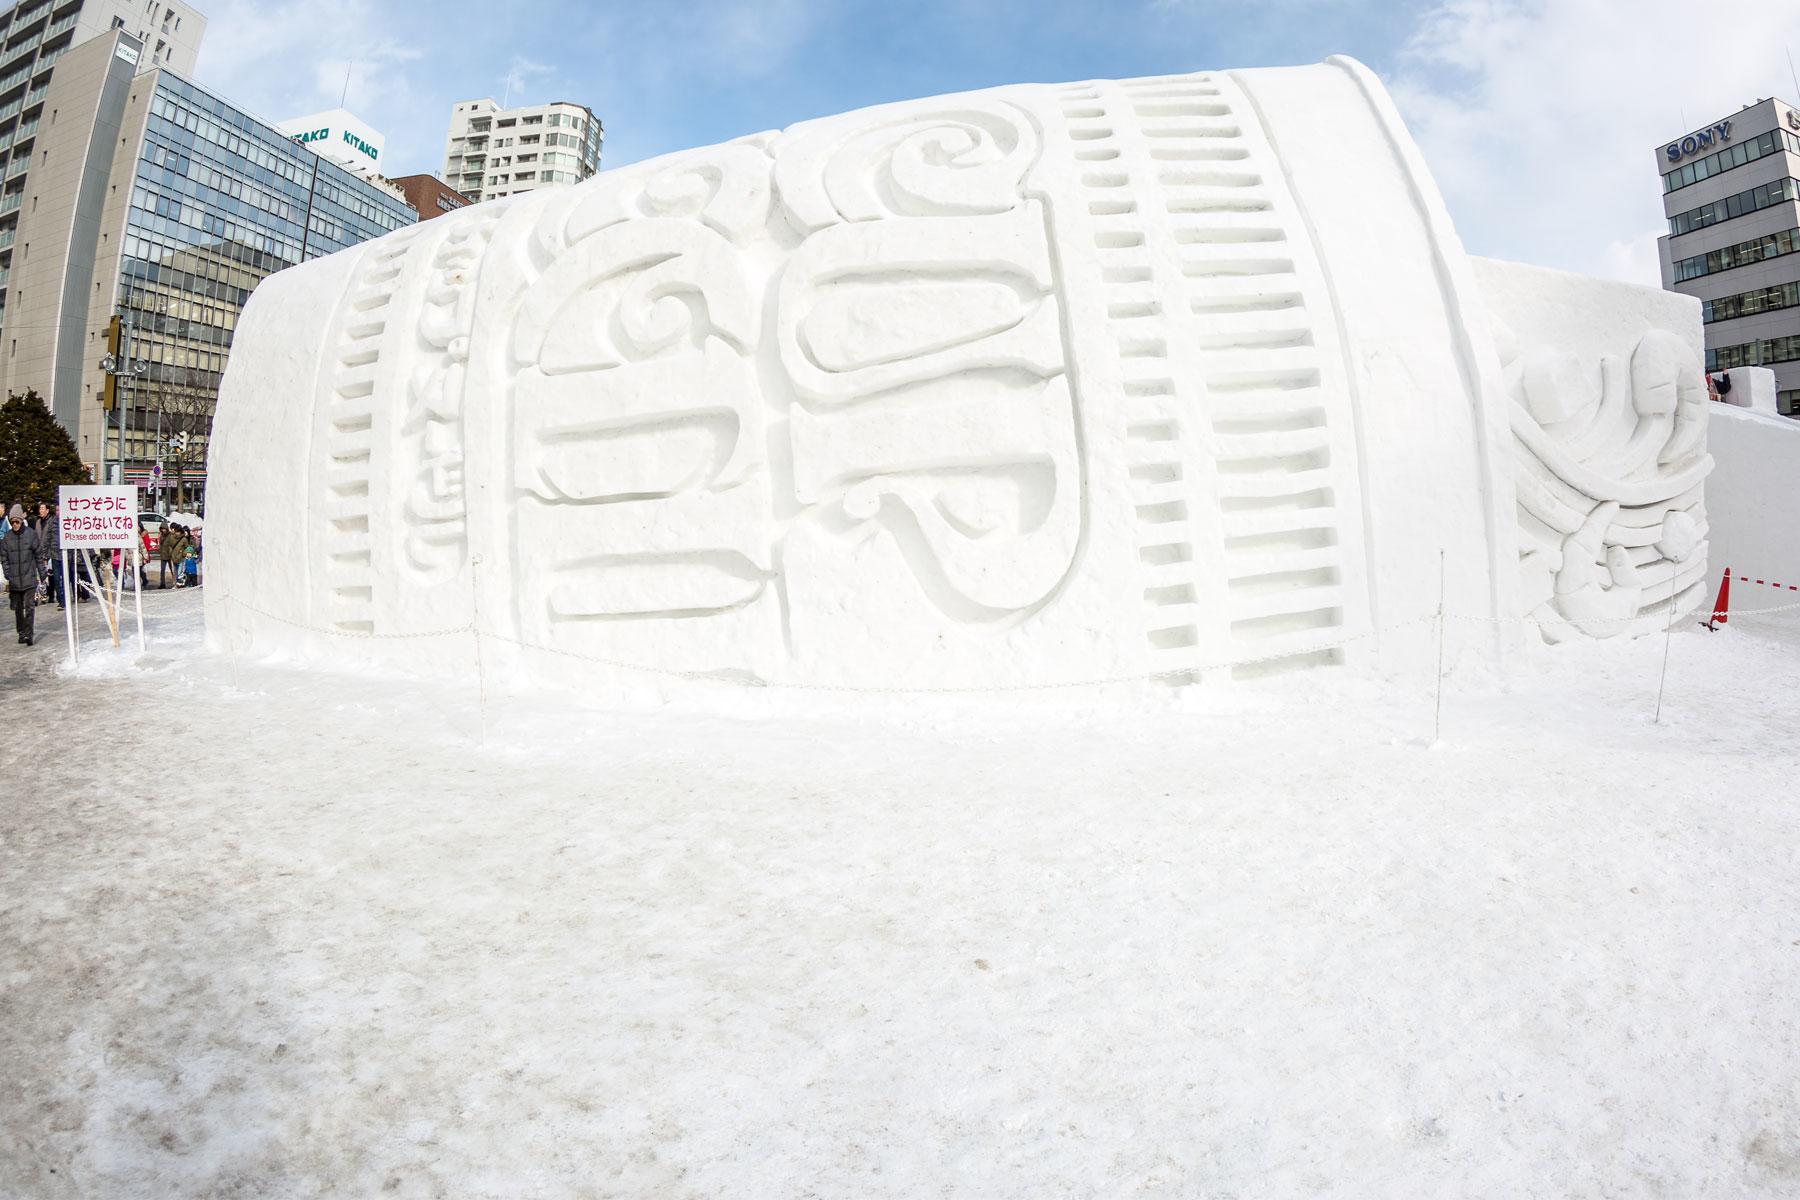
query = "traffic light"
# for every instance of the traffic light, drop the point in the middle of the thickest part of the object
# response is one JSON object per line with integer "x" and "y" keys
{"x": 109, "y": 388}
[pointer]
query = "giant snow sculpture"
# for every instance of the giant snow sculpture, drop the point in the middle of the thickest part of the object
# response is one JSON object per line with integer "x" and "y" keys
{"x": 1157, "y": 379}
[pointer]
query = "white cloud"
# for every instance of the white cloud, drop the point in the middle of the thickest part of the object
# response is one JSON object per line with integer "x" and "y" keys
{"x": 1634, "y": 259}
{"x": 272, "y": 56}
{"x": 646, "y": 64}
{"x": 524, "y": 78}
{"x": 1540, "y": 118}
{"x": 278, "y": 60}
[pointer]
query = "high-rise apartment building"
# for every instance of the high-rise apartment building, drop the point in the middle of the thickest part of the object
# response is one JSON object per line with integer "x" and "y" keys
{"x": 1731, "y": 192}
{"x": 493, "y": 151}
{"x": 169, "y": 31}
{"x": 152, "y": 199}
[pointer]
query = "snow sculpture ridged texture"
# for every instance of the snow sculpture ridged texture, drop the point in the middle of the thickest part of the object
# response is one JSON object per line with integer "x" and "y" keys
{"x": 1154, "y": 379}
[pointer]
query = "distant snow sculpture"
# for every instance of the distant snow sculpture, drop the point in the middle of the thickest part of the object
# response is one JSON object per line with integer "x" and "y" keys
{"x": 1154, "y": 379}
{"x": 1610, "y": 463}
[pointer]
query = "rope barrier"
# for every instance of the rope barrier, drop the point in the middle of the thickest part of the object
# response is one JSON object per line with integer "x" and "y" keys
{"x": 1770, "y": 583}
{"x": 1530, "y": 620}
{"x": 1751, "y": 612}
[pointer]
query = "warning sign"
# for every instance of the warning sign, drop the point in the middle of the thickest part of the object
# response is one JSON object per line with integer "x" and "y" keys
{"x": 98, "y": 518}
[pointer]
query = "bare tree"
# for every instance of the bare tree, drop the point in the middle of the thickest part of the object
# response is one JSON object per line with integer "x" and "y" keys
{"x": 186, "y": 428}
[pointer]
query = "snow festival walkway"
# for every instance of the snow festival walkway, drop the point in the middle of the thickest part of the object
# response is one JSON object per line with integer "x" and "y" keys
{"x": 323, "y": 938}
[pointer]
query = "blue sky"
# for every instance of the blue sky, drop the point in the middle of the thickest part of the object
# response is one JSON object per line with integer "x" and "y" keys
{"x": 1538, "y": 116}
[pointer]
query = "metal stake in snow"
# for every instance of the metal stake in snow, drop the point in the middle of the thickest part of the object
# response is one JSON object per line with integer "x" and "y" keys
{"x": 1668, "y": 637}
{"x": 475, "y": 636}
{"x": 1437, "y": 715}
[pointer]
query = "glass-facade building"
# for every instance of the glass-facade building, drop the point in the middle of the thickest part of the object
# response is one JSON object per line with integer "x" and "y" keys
{"x": 219, "y": 201}
{"x": 180, "y": 204}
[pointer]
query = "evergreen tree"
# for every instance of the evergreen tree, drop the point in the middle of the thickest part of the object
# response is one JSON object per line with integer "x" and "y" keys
{"x": 36, "y": 454}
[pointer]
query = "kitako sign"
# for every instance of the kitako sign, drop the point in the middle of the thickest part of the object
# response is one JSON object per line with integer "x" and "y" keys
{"x": 348, "y": 138}
{"x": 341, "y": 136}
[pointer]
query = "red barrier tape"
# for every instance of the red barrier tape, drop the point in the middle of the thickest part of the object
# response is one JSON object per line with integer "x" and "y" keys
{"x": 1792, "y": 587}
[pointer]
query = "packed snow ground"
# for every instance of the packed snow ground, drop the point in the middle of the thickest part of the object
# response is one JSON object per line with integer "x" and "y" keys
{"x": 321, "y": 936}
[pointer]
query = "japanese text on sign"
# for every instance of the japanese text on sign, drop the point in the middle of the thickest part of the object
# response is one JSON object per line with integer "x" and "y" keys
{"x": 97, "y": 518}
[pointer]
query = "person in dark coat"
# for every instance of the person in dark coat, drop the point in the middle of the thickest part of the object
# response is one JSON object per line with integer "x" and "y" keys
{"x": 21, "y": 559}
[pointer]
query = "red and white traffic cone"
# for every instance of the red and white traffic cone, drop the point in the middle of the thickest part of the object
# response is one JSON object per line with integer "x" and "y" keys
{"x": 1721, "y": 606}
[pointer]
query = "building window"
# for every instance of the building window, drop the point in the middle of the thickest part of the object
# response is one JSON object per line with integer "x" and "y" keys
{"x": 1747, "y": 304}
{"x": 1754, "y": 354}
{"x": 1755, "y": 199}
{"x": 1755, "y": 250}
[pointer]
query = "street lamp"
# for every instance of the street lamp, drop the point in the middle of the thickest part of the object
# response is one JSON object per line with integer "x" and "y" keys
{"x": 119, "y": 366}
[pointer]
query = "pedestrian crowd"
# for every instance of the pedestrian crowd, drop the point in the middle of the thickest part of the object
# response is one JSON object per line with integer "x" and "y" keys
{"x": 32, "y": 560}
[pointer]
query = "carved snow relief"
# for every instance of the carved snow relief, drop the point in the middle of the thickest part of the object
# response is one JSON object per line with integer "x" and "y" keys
{"x": 1610, "y": 459}
{"x": 1022, "y": 387}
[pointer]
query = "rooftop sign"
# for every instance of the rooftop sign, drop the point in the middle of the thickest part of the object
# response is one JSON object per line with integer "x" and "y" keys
{"x": 1694, "y": 143}
{"x": 343, "y": 137}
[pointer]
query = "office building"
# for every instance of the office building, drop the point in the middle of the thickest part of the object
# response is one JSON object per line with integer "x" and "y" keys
{"x": 1731, "y": 193}
{"x": 151, "y": 198}
{"x": 493, "y": 151}
{"x": 430, "y": 195}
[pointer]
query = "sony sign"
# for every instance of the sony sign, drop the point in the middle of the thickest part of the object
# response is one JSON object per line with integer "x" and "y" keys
{"x": 1694, "y": 143}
